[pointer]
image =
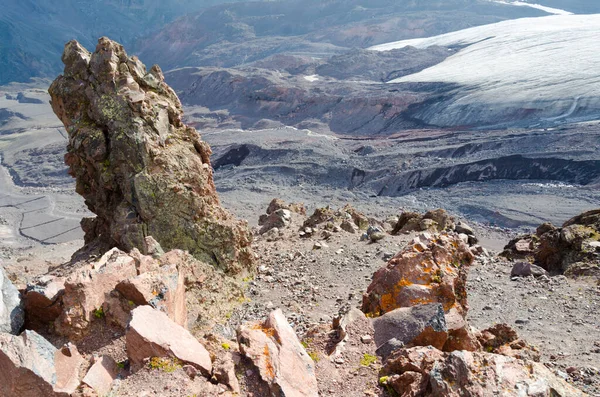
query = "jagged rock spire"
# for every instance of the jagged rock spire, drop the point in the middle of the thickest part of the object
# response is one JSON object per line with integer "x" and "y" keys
{"x": 141, "y": 170}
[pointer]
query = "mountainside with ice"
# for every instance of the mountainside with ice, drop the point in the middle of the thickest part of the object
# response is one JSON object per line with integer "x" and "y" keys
{"x": 524, "y": 72}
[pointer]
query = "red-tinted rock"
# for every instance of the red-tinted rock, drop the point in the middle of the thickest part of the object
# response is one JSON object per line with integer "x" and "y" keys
{"x": 87, "y": 290}
{"x": 281, "y": 360}
{"x": 42, "y": 301}
{"x": 224, "y": 372}
{"x": 67, "y": 363}
{"x": 31, "y": 367}
{"x": 432, "y": 269}
{"x": 152, "y": 334}
{"x": 163, "y": 289}
{"x": 101, "y": 375}
{"x": 425, "y": 371}
{"x": 140, "y": 169}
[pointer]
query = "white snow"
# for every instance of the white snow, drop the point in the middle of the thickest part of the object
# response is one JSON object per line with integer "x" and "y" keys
{"x": 549, "y": 10}
{"x": 547, "y": 58}
{"x": 312, "y": 78}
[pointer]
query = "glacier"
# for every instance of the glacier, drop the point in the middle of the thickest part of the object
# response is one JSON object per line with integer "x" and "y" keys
{"x": 527, "y": 71}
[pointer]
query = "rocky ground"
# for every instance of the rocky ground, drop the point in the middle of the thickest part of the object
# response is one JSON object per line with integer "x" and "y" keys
{"x": 279, "y": 314}
{"x": 313, "y": 280}
{"x": 555, "y": 314}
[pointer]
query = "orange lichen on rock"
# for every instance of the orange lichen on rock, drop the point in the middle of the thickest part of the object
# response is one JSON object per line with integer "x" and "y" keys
{"x": 437, "y": 274}
{"x": 412, "y": 277}
{"x": 269, "y": 370}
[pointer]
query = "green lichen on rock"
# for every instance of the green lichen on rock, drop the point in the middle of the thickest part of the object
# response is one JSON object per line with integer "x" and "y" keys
{"x": 141, "y": 170}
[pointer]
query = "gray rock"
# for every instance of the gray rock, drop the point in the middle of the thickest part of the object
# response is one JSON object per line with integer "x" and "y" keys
{"x": 473, "y": 240}
{"x": 420, "y": 325}
{"x": 375, "y": 237}
{"x": 278, "y": 219}
{"x": 348, "y": 226}
{"x": 526, "y": 269}
{"x": 12, "y": 315}
{"x": 462, "y": 227}
{"x": 389, "y": 347}
{"x": 30, "y": 366}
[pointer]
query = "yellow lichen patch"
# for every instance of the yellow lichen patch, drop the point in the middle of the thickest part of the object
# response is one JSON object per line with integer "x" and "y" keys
{"x": 388, "y": 302}
{"x": 368, "y": 359}
{"x": 165, "y": 364}
{"x": 403, "y": 283}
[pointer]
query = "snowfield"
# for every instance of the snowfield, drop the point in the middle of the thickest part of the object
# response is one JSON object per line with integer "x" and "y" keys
{"x": 550, "y": 65}
{"x": 549, "y": 10}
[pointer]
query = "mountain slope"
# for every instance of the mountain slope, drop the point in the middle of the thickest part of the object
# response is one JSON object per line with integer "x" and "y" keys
{"x": 33, "y": 32}
{"x": 237, "y": 34}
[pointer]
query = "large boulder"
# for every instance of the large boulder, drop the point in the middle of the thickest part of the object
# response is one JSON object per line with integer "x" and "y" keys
{"x": 140, "y": 169}
{"x": 31, "y": 367}
{"x": 163, "y": 289}
{"x": 11, "y": 307}
{"x": 422, "y": 325}
{"x": 87, "y": 290}
{"x": 426, "y": 371}
{"x": 433, "y": 221}
{"x": 281, "y": 360}
{"x": 556, "y": 250}
{"x": 152, "y": 334}
{"x": 277, "y": 219}
{"x": 101, "y": 375}
{"x": 43, "y": 302}
{"x": 407, "y": 222}
{"x": 526, "y": 269}
{"x": 108, "y": 289}
{"x": 431, "y": 269}
{"x": 278, "y": 204}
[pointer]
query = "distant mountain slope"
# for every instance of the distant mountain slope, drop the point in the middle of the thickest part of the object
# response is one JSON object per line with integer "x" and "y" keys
{"x": 514, "y": 73}
{"x": 574, "y": 6}
{"x": 33, "y": 32}
{"x": 237, "y": 34}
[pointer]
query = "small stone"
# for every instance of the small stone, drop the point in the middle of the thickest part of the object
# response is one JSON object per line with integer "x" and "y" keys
{"x": 366, "y": 339}
{"x": 101, "y": 375}
{"x": 190, "y": 371}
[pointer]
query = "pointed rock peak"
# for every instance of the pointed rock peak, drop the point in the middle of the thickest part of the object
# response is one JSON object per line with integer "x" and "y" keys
{"x": 141, "y": 170}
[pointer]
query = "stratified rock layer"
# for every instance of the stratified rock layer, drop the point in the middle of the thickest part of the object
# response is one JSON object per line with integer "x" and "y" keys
{"x": 141, "y": 170}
